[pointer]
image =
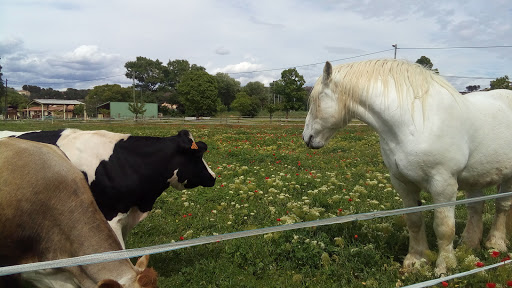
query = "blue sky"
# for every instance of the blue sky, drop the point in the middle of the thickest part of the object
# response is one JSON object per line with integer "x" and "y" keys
{"x": 81, "y": 44}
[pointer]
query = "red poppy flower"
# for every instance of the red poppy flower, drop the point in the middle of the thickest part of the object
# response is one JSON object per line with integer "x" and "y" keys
{"x": 350, "y": 200}
{"x": 278, "y": 219}
{"x": 189, "y": 214}
{"x": 185, "y": 216}
{"x": 340, "y": 209}
{"x": 495, "y": 254}
{"x": 182, "y": 238}
{"x": 505, "y": 259}
{"x": 355, "y": 236}
{"x": 445, "y": 284}
{"x": 490, "y": 285}
{"x": 509, "y": 283}
{"x": 479, "y": 264}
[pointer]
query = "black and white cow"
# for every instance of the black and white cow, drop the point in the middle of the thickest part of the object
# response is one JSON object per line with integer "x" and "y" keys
{"x": 128, "y": 173}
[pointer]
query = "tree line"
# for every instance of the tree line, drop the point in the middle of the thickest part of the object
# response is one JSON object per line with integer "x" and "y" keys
{"x": 198, "y": 93}
{"x": 194, "y": 91}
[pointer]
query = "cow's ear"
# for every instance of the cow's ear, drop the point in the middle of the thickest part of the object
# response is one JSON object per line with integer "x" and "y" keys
{"x": 109, "y": 283}
{"x": 187, "y": 144}
{"x": 201, "y": 146}
{"x": 185, "y": 133}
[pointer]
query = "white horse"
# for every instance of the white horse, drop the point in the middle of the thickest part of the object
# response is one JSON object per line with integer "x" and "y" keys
{"x": 432, "y": 138}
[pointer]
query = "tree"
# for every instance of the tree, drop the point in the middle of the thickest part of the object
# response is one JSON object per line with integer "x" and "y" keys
{"x": 290, "y": 88}
{"x": 79, "y": 110}
{"x": 198, "y": 93}
{"x": 75, "y": 94}
{"x": 35, "y": 91}
{"x": 228, "y": 87}
{"x": 258, "y": 91}
{"x": 271, "y": 109}
{"x": 425, "y": 62}
{"x": 15, "y": 99}
{"x": 472, "y": 88}
{"x": 137, "y": 108}
{"x": 148, "y": 73}
{"x": 247, "y": 106}
{"x": 106, "y": 93}
{"x": 501, "y": 83}
{"x": 174, "y": 71}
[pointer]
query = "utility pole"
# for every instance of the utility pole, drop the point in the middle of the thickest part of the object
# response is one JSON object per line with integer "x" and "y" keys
{"x": 5, "y": 108}
{"x": 396, "y": 47}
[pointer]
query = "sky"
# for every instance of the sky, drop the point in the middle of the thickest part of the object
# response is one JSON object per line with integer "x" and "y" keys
{"x": 81, "y": 44}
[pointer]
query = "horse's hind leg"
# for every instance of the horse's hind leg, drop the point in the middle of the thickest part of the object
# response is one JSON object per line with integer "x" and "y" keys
{"x": 410, "y": 195}
{"x": 472, "y": 235}
{"x": 497, "y": 238}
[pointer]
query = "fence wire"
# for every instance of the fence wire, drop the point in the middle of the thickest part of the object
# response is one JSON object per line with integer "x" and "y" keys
{"x": 137, "y": 252}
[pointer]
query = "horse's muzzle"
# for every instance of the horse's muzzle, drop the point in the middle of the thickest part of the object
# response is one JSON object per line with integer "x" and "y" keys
{"x": 309, "y": 140}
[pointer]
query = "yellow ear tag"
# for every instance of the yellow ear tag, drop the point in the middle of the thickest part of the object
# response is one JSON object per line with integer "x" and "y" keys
{"x": 194, "y": 146}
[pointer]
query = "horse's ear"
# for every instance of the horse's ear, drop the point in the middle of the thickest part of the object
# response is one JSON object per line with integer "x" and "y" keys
{"x": 327, "y": 72}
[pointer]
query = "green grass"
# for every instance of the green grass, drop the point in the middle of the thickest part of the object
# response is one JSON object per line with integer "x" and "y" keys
{"x": 266, "y": 173}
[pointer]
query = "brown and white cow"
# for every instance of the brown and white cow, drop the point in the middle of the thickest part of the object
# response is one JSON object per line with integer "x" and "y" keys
{"x": 47, "y": 212}
{"x": 128, "y": 173}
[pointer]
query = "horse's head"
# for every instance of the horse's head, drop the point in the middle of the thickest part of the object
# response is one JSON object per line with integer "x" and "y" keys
{"x": 326, "y": 114}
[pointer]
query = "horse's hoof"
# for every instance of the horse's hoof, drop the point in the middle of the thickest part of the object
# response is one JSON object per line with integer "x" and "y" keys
{"x": 445, "y": 261}
{"x": 497, "y": 244}
{"x": 413, "y": 261}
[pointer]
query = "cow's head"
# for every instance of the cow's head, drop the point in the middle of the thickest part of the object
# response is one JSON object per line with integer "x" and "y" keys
{"x": 189, "y": 168}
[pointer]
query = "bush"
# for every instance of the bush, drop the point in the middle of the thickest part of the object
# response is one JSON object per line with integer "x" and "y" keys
{"x": 246, "y": 105}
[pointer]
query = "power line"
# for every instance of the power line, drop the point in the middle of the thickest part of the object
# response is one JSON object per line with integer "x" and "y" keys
{"x": 395, "y": 47}
{"x": 306, "y": 65}
{"x": 469, "y": 77}
{"x": 455, "y": 47}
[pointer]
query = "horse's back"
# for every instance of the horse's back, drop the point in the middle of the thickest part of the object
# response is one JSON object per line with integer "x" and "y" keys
{"x": 489, "y": 139}
{"x": 491, "y": 100}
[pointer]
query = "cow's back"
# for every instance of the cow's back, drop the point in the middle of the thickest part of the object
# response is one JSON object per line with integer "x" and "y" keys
{"x": 43, "y": 196}
{"x": 26, "y": 167}
{"x": 48, "y": 137}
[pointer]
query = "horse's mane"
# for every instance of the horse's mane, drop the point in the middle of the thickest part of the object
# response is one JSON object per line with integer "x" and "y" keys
{"x": 410, "y": 80}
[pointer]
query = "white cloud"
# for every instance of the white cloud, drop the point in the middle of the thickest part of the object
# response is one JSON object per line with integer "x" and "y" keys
{"x": 95, "y": 38}
{"x": 222, "y": 51}
{"x": 77, "y": 68}
{"x": 239, "y": 68}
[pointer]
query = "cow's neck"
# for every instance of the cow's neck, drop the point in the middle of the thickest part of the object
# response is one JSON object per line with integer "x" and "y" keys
{"x": 145, "y": 164}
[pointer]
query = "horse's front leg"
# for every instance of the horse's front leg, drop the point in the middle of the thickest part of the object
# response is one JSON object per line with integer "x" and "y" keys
{"x": 472, "y": 235}
{"x": 497, "y": 238}
{"x": 410, "y": 194}
{"x": 444, "y": 189}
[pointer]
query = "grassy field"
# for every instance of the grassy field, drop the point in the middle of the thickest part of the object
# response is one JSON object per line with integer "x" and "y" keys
{"x": 267, "y": 177}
